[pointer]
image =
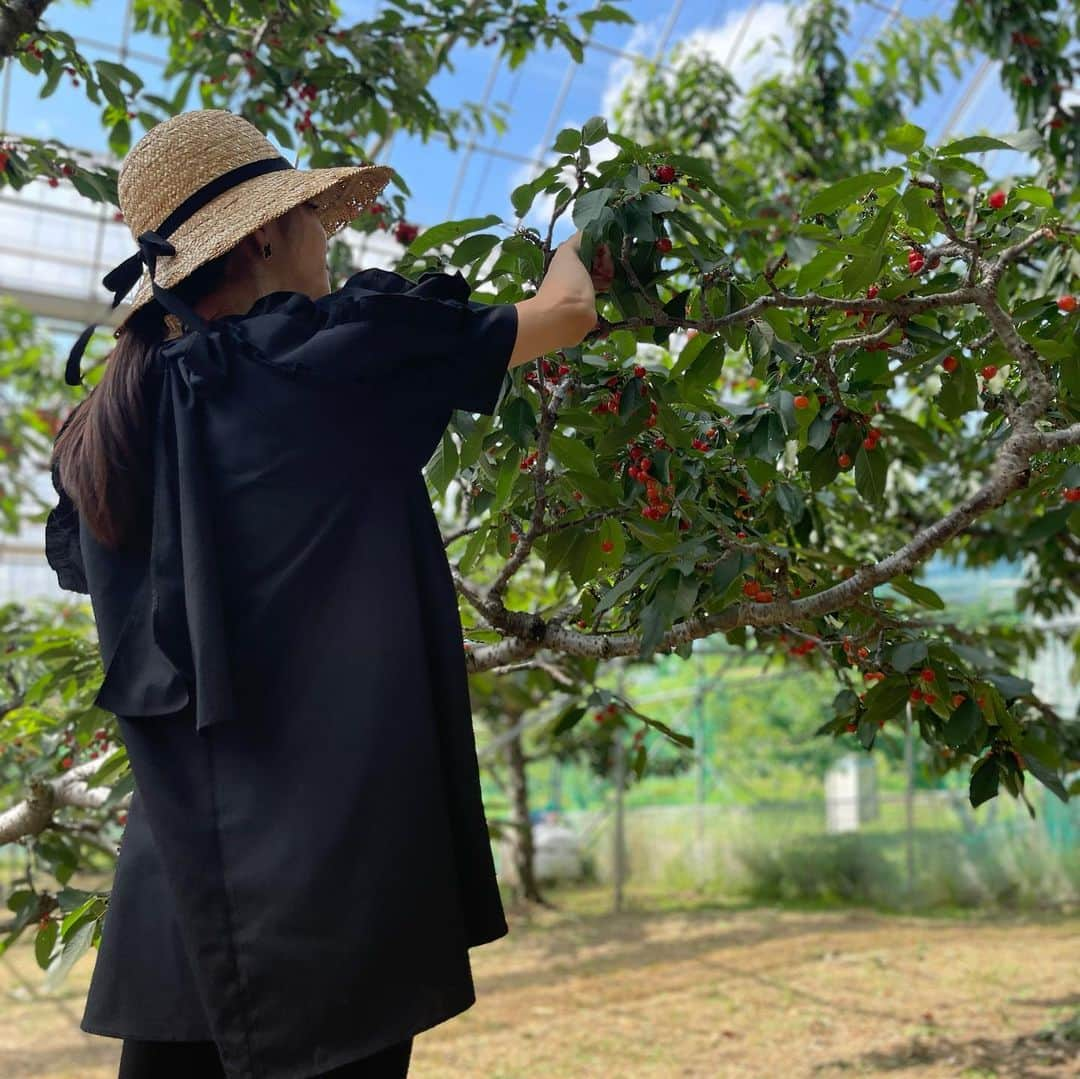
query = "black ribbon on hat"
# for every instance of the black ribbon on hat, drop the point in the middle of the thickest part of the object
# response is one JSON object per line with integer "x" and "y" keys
{"x": 154, "y": 242}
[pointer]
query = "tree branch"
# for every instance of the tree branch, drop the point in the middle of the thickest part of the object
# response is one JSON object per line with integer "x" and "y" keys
{"x": 35, "y": 814}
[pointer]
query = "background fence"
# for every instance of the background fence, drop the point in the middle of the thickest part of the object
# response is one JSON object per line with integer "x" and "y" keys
{"x": 952, "y": 855}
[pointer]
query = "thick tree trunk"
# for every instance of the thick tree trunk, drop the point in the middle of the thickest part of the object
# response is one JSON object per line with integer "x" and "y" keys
{"x": 521, "y": 836}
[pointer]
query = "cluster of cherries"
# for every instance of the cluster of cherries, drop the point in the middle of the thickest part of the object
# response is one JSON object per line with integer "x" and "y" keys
{"x": 639, "y": 470}
{"x": 608, "y": 713}
{"x": 404, "y": 232}
{"x": 612, "y": 402}
{"x": 101, "y": 737}
{"x": 552, "y": 372}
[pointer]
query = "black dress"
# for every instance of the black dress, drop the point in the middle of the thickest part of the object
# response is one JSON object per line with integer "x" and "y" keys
{"x": 306, "y": 859}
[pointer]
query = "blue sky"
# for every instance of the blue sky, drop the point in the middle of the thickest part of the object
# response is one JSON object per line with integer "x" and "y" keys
{"x": 463, "y": 183}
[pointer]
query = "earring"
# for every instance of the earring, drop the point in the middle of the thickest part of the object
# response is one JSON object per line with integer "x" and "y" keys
{"x": 266, "y": 251}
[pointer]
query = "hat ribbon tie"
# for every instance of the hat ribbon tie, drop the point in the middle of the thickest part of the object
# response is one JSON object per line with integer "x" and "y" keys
{"x": 122, "y": 278}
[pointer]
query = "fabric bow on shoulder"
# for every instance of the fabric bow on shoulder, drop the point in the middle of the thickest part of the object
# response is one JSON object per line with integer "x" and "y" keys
{"x": 160, "y": 617}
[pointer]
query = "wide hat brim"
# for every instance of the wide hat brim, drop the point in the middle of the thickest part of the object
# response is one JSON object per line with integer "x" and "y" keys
{"x": 341, "y": 195}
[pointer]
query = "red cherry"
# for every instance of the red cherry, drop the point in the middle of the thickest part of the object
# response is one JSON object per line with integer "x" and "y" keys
{"x": 844, "y": 461}
{"x": 665, "y": 173}
{"x": 663, "y": 244}
{"x": 1067, "y": 303}
{"x": 871, "y": 292}
{"x": 802, "y": 401}
{"x": 66, "y": 762}
{"x": 927, "y": 674}
{"x": 989, "y": 371}
{"x": 606, "y": 545}
{"x": 1072, "y": 494}
{"x": 997, "y": 199}
{"x": 950, "y": 363}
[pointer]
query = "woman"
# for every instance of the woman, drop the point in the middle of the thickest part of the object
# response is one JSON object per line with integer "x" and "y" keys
{"x": 306, "y": 859}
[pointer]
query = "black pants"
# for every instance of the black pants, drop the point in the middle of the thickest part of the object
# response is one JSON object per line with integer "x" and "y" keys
{"x": 200, "y": 1060}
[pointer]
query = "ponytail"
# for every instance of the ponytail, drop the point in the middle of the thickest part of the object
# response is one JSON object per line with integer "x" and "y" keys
{"x": 101, "y": 457}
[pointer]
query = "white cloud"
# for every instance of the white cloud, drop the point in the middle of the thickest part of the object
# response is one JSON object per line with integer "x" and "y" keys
{"x": 770, "y": 21}
{"x": 749, "y": 52}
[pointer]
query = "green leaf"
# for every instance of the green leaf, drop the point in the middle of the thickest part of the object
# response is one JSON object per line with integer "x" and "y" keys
{"x": 583, "y": 558}
{"x": 1045, "y": 775}
{"x": 594, "y": 130}
{"x": 568, "y": 140}
{"x": 473, "y": 249}
{"x": 870, "y": 469}
{"x": 707, "y": 365}
{"x": 519, "y": 421}
{"x": 610, "y": 532}
{"x": 508, "y": 474}
{"x": 568, "y": 719}
{"x": 984, "y": 781}
{"x": 727, "y": 569}
{"x": 573, "y": 454}
{"x": 885, "y": 699}
{"x": 676, "y": 736}
{"x": 591, "y": 206}
{"x": 790, "y": 500}
{"x": 448, "y": 231}
{"x": 119, "y": 74}
{"x": 44, "y": 943}
{"x": 963, "y": 724}
{"x": 818, "y": 268}
{"x": 848, "y": 190}
{"x": 1009, "y": 686}
{"x": 905, "y": 139}
{"x": 630, "y": 581}
{"x": 904, "y": 656}
{"x": 473, "y": 548}
{"x": 604, "y": 13}
{"x": 72, "y": 950}
{"x": 916, "y": 205}
{"x": 927, "y": 597}
{"x": 973, "y": 144}
{"x": 443, "y": 464}
{"x": 1037, "y": 196}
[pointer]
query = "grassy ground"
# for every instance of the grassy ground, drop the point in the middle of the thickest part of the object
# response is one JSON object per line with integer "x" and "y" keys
{"x": 680, "y": 988}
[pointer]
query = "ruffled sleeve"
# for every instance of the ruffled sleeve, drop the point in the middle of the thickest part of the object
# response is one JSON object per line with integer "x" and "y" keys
{"x": 419, "y": 349}
{"x": 453, "y": 350}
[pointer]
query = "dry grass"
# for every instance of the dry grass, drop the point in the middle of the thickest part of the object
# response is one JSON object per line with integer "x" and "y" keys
{"x": 704, "y": 991}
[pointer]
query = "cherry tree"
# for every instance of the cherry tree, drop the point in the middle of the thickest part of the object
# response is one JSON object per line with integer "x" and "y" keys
{"x": 830, "y": 350}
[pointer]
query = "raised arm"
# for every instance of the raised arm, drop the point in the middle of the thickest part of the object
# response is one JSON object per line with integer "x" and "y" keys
{"x": 563, "y": 310}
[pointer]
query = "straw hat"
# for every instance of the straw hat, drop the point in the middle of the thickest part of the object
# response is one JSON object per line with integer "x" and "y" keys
{"x": 194, "y": 186}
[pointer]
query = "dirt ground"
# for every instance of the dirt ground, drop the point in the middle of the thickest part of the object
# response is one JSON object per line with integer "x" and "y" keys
{"x": 708, "y": 991}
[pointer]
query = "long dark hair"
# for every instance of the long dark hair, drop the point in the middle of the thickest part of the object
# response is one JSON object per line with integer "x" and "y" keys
{"x": 102, "y": 455}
